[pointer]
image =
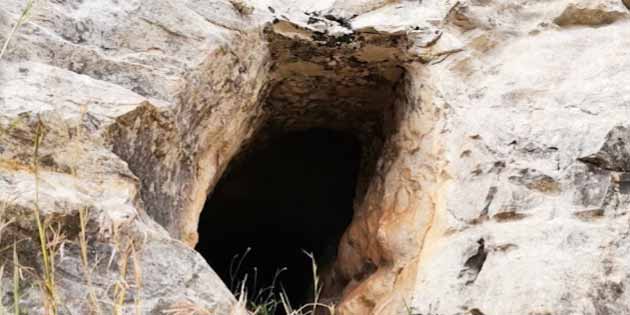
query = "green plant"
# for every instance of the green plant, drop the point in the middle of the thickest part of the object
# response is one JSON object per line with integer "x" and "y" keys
{"x": 26, "y": 12}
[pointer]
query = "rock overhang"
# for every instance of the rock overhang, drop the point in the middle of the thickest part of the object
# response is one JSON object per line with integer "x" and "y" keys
{"x": 324, "y": 73}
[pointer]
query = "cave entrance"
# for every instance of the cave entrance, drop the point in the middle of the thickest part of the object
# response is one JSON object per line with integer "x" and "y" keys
{"x": 319, "y": 126}
{"x": 290, "y": 193}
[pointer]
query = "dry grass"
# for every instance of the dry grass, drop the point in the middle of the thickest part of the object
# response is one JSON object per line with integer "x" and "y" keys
{"x": 3, "y": 310}
{"x": 47, "y": 252}
{"x": 267, "y": 301}
{"x": 17, "y": 273}
{"x": 26, "y": 12}
{"x": 3, "y": 226}
{"x": 87, "y": 271}
{"x": 50, "y": 239}
{"x": 187, "y": 308}
{"x": 312, "y": 307}
{"x": 137, "y": 272}
{"x": 127, "y": 256}
{"x": 121, "y": 286}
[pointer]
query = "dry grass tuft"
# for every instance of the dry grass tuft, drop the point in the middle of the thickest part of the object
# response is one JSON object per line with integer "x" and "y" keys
{"x": 267, "y": 301}
{"x": 17, "y": 275}
{"x": 87, "y": 271}
{"x": 186, "y": 308}
{"x": 47, "y": 249}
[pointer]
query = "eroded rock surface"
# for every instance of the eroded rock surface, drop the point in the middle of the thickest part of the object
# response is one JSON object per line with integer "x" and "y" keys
{"x": 497, "y": 134}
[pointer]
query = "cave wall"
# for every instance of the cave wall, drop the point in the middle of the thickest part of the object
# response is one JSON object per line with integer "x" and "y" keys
{"x": 503, "y": 160}
{"x": 379, "y": 251}
{"x": 185, "y": 155}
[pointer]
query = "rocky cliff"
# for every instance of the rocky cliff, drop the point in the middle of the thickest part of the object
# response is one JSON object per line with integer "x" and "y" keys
{"x": 496, "y": 134}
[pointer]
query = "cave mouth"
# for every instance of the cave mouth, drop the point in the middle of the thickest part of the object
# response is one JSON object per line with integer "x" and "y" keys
{"x": 291, "y": 193}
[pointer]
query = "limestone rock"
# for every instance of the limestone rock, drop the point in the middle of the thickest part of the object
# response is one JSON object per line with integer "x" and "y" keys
{"x": 614, "y": 153}
{"x": 592, "y": 13}
{"x": 497, "y": 178}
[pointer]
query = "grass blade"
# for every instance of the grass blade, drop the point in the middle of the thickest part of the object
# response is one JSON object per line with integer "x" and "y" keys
{"x": 23, "y": 17}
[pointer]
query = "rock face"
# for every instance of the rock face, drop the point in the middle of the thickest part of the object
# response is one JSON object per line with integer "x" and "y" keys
{"x": 497, "y": 176}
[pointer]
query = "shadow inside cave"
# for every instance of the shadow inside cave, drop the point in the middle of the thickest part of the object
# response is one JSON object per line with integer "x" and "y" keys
{"x": 291, "y": 193}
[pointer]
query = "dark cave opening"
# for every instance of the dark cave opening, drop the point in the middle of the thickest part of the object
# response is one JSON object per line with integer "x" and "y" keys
{"x": 292, "y": 193}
